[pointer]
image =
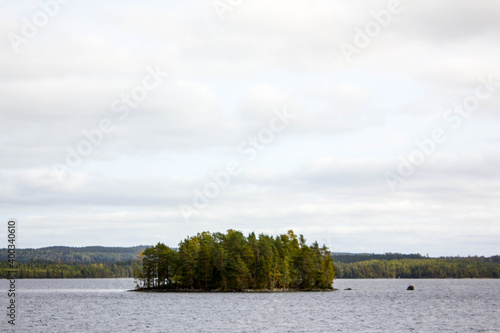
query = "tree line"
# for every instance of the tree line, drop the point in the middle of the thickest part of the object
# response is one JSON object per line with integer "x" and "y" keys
{"x": 343, "y": 257}
{"x": 355, "y": 257}
{"x": 74, "y": 255}
{"x": 474, "y": 267}
{"x": 72, "y": 262}
{"x": 58, "y": 270}
{"x": 115, "y": 262}
{"x": 231, "y": 261}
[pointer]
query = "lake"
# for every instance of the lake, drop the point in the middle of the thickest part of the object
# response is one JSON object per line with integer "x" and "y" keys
{"x": 104, "y": 305}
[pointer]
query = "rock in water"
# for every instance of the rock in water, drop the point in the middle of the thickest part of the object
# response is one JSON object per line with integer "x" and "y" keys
{"x": 410, "y": 288}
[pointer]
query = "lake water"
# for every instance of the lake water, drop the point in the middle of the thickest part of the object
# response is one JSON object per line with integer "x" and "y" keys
{"x": 104, "y": 305}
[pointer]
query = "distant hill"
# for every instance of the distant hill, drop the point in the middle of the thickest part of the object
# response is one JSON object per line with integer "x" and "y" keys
{"x": 356, "y": 257}
{"x": 345, "y": 257}
{"x": 397, "y": 265}
{"x": 75, "y": 255}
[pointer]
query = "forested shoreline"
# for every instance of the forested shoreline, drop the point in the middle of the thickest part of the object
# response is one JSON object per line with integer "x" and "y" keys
{"x": 113, "y": 262}
{"x": 58, "y": 270}
{"x": 62, "y": 262}
{"x": 75, "y": 255}
{"x": 233, "y": 262}
{"x": 418, "y": 268}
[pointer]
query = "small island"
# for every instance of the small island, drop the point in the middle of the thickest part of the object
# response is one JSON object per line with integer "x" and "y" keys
{"x": 233, "y": 262}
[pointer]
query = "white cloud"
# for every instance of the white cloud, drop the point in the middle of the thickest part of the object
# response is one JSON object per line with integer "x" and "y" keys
{"x": 323, "y": 175}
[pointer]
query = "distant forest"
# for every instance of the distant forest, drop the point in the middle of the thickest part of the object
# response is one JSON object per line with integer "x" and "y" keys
{"x": 75, "y": 255}
{"x": 117, "y": 262}
{"x": 72, "y": 262}
{"x": 392, "y": 265}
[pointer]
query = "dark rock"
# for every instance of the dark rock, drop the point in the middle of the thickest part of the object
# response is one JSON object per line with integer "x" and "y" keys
{"x": 348, "y": 289}
{"x": 410, "y": 288}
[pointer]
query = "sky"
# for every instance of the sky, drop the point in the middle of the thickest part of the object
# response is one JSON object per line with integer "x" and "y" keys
{"x": 369, "y": 126}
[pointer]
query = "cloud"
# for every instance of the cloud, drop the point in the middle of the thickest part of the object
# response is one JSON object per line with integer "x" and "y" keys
{"x": 322, "y": 175}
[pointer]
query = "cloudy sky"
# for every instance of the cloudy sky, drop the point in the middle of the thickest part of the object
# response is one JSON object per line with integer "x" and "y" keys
{"x": 371, "y": 126}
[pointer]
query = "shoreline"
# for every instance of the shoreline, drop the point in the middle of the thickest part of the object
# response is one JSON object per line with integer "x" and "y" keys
{"x": 156, "y": 290}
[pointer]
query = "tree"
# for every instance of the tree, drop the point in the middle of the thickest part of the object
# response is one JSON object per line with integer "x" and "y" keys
{"x": 232, "y": 261}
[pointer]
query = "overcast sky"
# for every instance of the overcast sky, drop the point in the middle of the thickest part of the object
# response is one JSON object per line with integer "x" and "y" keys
{"x": 370, "y": 126}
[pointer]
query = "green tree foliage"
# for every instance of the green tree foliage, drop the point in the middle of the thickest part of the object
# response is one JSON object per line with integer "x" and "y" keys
{"x": 355, "y": 257}
{"x": 232, "y": 261}
{"x": 72, "y": 262}
{"x": 69, "y": 270}
{"x": 76, "y": 255}
{"x": 473, "y": 267}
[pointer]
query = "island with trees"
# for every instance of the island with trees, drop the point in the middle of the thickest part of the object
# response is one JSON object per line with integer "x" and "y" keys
{"x": 65, "y": 262}
{"x": 232, "y": 262}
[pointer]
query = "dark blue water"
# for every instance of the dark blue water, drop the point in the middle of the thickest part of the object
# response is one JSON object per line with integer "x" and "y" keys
{"x": 104, "y": 305}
